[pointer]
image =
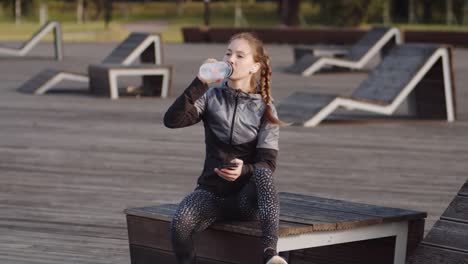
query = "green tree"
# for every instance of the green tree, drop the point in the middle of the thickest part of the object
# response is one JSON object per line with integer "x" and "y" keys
{"x": 289, "y": 12}
{"x": 465, "y": 12}
{"x": 343, "y": 12}
{"x": 427, "y": 10}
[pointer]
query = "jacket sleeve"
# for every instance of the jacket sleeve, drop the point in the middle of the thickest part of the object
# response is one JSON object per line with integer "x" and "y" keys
{"x": 267, "y": 149}
{"x": 188, "y": 108}
{"x": 264, "y": 158}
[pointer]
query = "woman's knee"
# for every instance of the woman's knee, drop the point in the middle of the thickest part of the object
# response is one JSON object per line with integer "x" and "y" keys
{"x": 191, "y": 213}
{"x": 184, "y": 221}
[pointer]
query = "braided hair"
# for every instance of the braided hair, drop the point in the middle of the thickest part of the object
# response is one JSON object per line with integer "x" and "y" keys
{"x": 262, "y": 79}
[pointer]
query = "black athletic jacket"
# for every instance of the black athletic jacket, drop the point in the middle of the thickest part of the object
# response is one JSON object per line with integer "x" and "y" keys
{"x": 234, "y": 128}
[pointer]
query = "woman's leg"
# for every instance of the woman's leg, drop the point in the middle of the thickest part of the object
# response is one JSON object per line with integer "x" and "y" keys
{"x": 258, "y": 199}
{"x": 268, "y": 207}
{"x": 195, "y": 213}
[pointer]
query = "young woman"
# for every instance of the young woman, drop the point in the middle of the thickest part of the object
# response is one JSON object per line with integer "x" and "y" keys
{"x": 241, "y": 129}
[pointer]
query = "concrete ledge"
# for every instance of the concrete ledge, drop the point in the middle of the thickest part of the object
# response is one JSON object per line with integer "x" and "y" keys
{"x": 317, "y": 35}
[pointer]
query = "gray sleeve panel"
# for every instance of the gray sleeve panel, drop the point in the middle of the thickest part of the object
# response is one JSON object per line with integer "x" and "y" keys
{"x": 268, "y": 135}
{"x": 183, "y": 112}
{"x": 200, "y": 103}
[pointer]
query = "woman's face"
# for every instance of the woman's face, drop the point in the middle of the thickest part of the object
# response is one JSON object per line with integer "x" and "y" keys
{"x": 239, "y": 54}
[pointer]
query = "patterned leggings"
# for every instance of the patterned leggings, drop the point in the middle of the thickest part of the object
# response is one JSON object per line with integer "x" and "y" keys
{"x": 256, "y": 200}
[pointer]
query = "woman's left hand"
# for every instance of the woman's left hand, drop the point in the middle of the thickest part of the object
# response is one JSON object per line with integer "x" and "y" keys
{"x": 231, "y": 174}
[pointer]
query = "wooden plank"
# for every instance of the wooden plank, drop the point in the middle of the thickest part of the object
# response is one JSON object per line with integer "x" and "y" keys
{"x": 322, "y": 219}
{"x": 300, "y": 107}
{"x": 144, "y": 255}
{"x": 397, "y": 69}
{"x": 165, "y": 213}
{"x": 302, "y": 64}
{"x": 464, "y": 190}
{"x": 387, "y": 214}
{"x": 429, "y": 95}
{"x": 457, "y": 210}
{"x": 121, "y": 52}
{"x": 148, "y": 237}
{"x": 427, "y": 254}
{"x": 149, "y": 233}
{"x": 156, "y": 234}
{"x": 362, "y": 252}
{"x": 415, "y": 235}
{"x": 31, "y": 85}
{"x": 457, "y": 38}
{"x": 71, "y": 163}
{"x": 322, "y": 215}
{"x": 370, "y": 39}
{"x": 451, "y": 235}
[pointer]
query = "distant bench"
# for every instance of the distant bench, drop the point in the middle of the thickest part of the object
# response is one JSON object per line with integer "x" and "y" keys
{"x": 27, "y": 46}
{"x": 103, "y": 79}
{"x": 313, "y": 36}
{"x": 312, "y": 230}
{"x": 145, "y": 47}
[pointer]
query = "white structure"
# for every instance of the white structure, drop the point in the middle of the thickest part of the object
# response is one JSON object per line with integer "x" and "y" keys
{"x": 401, "y": 72}
{"x": 147, "y": 47}
{"x": 358, "y": 56}
{"x": 40, "y": 34}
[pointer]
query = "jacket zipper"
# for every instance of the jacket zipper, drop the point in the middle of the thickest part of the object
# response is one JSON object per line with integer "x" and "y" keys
{"x": 234, "y": 117}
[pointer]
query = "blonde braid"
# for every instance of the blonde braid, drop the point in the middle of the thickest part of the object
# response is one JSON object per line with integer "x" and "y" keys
{"x": 266, "y": 79}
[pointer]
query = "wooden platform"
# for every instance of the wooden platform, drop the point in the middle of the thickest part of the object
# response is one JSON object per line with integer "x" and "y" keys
{"x": 71, "y": 163}
{"x": 447, "y": 241}
{"x": 308, "y": 224}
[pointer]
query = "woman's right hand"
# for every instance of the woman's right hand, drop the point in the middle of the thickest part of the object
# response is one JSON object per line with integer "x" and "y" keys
{"x": 209, "y": 60}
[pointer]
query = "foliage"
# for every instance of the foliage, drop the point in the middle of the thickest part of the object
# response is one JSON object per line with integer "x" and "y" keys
{"x": 173, "y": 15}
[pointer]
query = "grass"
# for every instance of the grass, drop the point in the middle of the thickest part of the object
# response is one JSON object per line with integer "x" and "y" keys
{"x": 261, "y": 14}
{"x": 191, "y": 14}
{"x": 72, "y": 32}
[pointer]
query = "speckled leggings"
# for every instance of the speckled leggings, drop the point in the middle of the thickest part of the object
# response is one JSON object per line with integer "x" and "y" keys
{"x": 256, "y": 200}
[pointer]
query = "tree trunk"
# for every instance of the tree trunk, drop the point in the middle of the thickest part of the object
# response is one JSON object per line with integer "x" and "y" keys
{"x": 107, "y": 12}
{"x": 238, "y": 14}
{"x": 449, "y": 10}
{"x": 43, "y": 14}
{"x": 79, "y": 11}
{"x": 180, "y": 7}
{"x": 427, "y": 11}
{"x": 290, "y": 12}
{"x": 99, "y": 6}
{"x": 465, "y": 12}
{"x": 411, "y": 11}
{"x": 387, "y": 18}
{"x": 85, "y": 11}
{"x": 17, "y": 12}
{"x": 206, "y": 15}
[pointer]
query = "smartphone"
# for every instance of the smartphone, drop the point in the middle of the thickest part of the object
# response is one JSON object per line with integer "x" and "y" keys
{"x": 228, "y": 166}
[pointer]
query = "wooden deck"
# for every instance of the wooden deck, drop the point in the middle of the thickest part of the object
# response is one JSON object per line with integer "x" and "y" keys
{"x": 71, "y": 163}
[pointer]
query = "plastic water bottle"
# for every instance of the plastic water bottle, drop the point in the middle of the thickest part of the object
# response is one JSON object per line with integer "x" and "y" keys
{"x": 212, "y": 71}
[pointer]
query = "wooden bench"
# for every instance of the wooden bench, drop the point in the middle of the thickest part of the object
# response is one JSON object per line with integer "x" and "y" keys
{"x": 103, "y": 79}
{"x": 27, "y": 46}
{"x": 319, "y": 51}
{"x": 377, "y": 40}
{"x": 419, "y": 73}
{"x": 312, "y": 230}
{"x": 447, "y": 241}
{"x": 145, "y": 47}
